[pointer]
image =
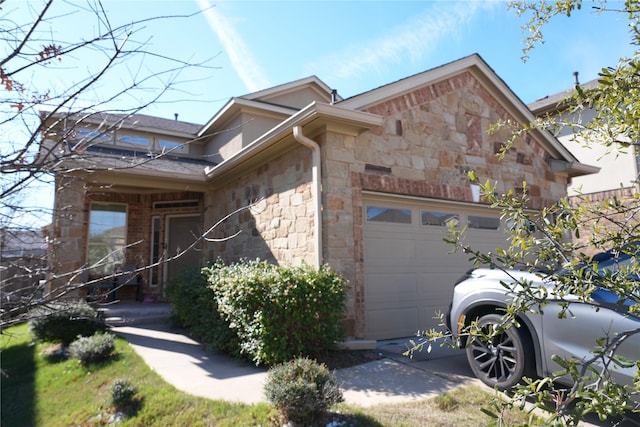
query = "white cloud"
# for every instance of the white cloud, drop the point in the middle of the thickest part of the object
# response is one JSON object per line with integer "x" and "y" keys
{"x": 412, "y": 40}
{"x": 239, "y": 54}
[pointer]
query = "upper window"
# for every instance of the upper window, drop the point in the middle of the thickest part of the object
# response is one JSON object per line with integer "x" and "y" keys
{"x": 107, "y": 237}
{"x": 439, "y": 218}
{"x": 483, "y": 222}
{"x": 393, "y": 215}
{"x": 136, "y": 140}
{"x": 167, "y": 145}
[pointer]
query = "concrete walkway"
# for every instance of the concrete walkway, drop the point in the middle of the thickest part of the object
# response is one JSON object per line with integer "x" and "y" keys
{"x": 183, "y": 362}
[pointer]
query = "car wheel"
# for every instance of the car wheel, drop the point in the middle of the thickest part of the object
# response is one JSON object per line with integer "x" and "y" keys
{"x": 500, "y": 361}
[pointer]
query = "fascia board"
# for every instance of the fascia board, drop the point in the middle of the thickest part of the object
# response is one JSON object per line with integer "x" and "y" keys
{"x": 308, "y": 114}
{"x": 235, "y": 106}
{"x": 289, "y": 87}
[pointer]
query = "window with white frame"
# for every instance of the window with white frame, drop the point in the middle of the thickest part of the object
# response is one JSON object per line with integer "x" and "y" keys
{"x": 107, "y": 237}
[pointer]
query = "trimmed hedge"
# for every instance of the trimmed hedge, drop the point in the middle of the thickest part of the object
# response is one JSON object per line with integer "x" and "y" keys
{"x": 196, "y": 309}
{"x": 279, "y": 313}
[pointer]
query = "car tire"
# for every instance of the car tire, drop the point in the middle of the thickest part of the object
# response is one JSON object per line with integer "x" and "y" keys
{"x": 500, "y": 361}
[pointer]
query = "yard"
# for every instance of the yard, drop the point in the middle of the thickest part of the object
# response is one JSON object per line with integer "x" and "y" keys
{"x": 42, "y": 388}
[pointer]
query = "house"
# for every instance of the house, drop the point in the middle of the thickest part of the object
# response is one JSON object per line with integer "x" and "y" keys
{"x": 23, "y": 263}
{"x": 366, "y": 184}
{"x": 618, "y": 169}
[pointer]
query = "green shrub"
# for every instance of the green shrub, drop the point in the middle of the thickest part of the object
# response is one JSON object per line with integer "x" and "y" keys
{"x": 277, "y": 312}
{"x": 302, "y": 390}
{"x": 64, "y": 322}
{"x": 196, "y": 309}
{"x": 122, "y": 394}
{"x": 92, "y": 349}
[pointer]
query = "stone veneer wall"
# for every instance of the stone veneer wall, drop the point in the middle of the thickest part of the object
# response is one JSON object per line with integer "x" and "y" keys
{"x": 279, "y": 228}
{"x": 430, "y": 139}
{"x": 70, "y": 230}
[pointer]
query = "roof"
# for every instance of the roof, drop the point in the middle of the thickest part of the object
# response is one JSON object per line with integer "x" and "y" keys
{"x": 19, "y": 243}
{"x": 141, "y": 122}
{"x": 552, "y": 103}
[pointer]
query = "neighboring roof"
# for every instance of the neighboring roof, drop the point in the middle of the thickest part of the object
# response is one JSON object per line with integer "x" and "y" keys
{"x": 20, "y": 243}
{"x": 553, "y": 103}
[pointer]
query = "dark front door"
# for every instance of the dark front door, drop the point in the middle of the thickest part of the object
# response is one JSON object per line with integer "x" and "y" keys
{"x": 183, "y": 231}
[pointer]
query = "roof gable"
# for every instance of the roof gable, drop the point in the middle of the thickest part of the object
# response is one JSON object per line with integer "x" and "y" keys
{"x": 446, "y": 75}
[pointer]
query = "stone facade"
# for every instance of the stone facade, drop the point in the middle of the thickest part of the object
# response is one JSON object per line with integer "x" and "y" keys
{"x": 279, "y": 226}
{"x": 430, "y": 139}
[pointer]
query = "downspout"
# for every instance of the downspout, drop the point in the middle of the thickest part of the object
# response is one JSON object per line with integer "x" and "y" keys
{"x": 316, "y": 188}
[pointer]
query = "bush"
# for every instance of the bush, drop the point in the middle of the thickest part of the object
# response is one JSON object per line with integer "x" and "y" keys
{"x": 92, "y": 349}
{"x": 122, "y": 394}
{"x": 280, "y": 313}
{"x": 64, "y": 322}
{"x": 195, "y": 309}
{"x": 302, "y": 390}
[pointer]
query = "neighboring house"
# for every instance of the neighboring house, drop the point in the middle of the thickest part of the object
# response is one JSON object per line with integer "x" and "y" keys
{"x": 366, "y": 184}
{"x": 619, "y": 170}
{"x": 23, "y": 262}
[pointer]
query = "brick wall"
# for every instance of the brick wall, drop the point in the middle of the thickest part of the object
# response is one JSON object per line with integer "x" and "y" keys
{"x": 71, "y": 224}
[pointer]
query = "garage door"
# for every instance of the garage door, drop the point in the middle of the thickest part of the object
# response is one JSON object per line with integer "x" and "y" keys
{"x": 409, "y": 269}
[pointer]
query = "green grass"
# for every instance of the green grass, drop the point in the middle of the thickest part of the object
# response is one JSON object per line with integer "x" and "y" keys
{"x": 44, "y": 389}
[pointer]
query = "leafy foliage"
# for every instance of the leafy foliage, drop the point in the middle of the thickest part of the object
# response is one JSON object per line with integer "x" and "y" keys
{"x": 91, "y": 349}
{"x": 64, "y": 322}
{"x": 195, "y": 308}
{"x": 302, "y": 390}
{"x": 122, "y": 394}
{"x": 278, "y": 312}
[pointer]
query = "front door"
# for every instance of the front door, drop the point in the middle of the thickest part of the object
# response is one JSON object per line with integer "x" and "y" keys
{"x": 182, "y": 232}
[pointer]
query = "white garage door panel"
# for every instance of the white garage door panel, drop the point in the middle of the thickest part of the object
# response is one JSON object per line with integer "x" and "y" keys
{"x": 396, "y": 249}
{"x": 391, "y": 322}
{"x": 386, "y": 289}
{"x": 409, "y": 270}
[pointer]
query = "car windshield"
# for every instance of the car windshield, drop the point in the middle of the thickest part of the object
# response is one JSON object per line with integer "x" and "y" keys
{"x": 612, "y": 261}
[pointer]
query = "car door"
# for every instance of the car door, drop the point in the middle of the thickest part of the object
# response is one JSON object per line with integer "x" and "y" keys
{"x": 576, "y": 335}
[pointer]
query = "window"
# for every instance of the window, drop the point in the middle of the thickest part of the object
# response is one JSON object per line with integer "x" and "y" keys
{"x": 441, "y": 219}
{"x": 136, "y": 140}
{"x": 155, "y": 250}
{"x": 107, "y": 237}
{"x": 173, "y": 146}
{"x": 483, "y": 222}
{"x": 393, "y": 215}
{"x": 92, "y": 135}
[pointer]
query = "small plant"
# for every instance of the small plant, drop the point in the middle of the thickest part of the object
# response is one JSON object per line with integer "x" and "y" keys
{"x": 65, "y": 322}
{"x": 446, "y": 402}
{"x": 123, "y": 394}
{"x": 92, "y": 349}
{"x": 302, "y": 390}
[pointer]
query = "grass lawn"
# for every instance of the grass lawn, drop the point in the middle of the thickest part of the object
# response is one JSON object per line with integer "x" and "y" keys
{"x": 42, "y": 388}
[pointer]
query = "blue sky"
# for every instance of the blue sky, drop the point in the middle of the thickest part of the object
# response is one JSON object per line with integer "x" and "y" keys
{"x": 353, "y": 46}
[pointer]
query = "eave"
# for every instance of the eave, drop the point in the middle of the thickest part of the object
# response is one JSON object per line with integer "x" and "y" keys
{"x": 314, "y": 119}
